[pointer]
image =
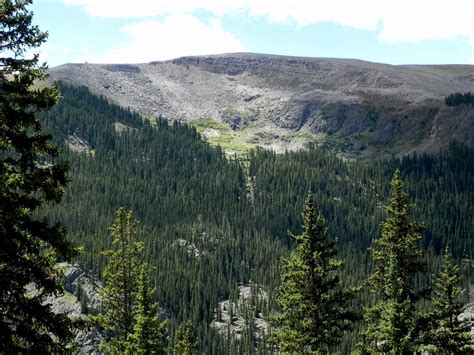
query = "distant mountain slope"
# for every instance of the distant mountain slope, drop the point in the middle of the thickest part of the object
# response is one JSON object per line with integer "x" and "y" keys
{"x": 358, "y": 108}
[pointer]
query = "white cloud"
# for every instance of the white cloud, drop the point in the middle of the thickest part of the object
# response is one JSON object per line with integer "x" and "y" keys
{"x": 44, "y": 52}
{"x": 414, "y": 21}
{"x": 400, "y": 20}
{"x": 396, "y": 21}
{"x": 146, "y": 8}
{"x": 176, "y": 36}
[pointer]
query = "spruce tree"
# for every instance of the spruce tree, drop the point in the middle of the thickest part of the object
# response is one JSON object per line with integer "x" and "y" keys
{"x": 314, "y": 304}
{"x": 149, "y": 332}
{"x": 30, "y": 179}
{"x": 120, "y": 277}
{"x": 129, "y": 315}
{"x": 448, "y": 334}
{"x": 185, "y": 340}
{"x": 392, "y": 321}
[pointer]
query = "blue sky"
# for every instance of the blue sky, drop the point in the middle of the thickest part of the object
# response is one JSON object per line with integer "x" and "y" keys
{"x": 387, "y": 31}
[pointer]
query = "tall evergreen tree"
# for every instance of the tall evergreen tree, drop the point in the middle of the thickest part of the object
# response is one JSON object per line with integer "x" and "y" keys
{"x": 397, "y": 257}
{"x": 314, "y": 303}
{"x": 129, "y": 315}
{"x": 185, "y": 340}
{"x": 448, "y": 334}
{"x": 29, "y": 180}
{"x": 149, "y": 332}
{"x": 121, "y": 276}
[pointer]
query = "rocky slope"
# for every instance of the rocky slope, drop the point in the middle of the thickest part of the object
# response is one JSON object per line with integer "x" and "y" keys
{"x": 357, "y": 108}
{"x": 80, "y": 299}
{"x": 245, "y": 314}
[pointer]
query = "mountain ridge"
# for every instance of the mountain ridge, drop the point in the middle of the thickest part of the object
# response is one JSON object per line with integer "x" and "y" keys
{"x": 242, "y": 100}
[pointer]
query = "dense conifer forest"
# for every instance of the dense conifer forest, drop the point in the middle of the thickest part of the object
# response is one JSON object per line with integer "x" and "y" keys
{"x": 211, "y": 222}
{"x": 458, "y": 99}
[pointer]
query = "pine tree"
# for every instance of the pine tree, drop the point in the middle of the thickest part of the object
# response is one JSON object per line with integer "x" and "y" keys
{"x": 185, "y": 340}
{"x": 448, "y": 334}
{"x": 120, "y": 277}
{"x": 391, "y": 322}
{"x": 149, "y": 332}
{"x": 313, "y": 301}
{"x": 29, "y": 180}
{"x": 129, "y": 315}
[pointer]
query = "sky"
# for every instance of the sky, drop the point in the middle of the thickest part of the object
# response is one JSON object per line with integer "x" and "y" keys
{"x": 139, "y": 31}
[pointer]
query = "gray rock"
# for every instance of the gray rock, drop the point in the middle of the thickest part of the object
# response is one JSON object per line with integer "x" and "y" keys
{"x": 294, "y": 96}
{"x": 71, "y": 275}
{"x": 234, "y": 120}
{"x": 230, "y": 318}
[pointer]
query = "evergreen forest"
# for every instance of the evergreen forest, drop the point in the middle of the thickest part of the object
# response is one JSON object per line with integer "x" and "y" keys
{"x": 211, "y": 222}
{"x": 458, "y": 99}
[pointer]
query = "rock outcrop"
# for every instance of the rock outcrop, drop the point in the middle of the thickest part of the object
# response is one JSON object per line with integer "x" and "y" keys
{"x": 233, "y": 318}
{"x": 77, "y": 144}
{"x": 81, "y": 297}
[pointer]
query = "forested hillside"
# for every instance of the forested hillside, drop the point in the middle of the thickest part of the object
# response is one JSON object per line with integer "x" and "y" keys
{"x": 211, "y": 223}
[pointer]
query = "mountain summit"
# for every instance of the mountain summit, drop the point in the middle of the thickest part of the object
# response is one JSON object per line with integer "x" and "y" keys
{"x": 241, "y": 100}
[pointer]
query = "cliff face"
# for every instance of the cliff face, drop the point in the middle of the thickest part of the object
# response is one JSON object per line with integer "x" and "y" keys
{"x": 357, "y": 108}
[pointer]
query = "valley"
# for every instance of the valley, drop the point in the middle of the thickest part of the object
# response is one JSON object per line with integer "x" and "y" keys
{"x": 213, "y": 223}
{"x": 236, "y": 203}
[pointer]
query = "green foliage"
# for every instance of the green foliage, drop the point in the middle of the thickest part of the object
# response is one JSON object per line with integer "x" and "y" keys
{"x": 210, "y": 223}
{"x": 221, "y": 134}
{"x": 397, "y": 257}
{"x": 185, "y": 340}
{"x": 447, "y": 334}
{"x": 149, "y": 332}
{"x": 458, "y": 99}
{"x": 314, "y": 304}
{"x": 396, "y": 253}
{"x": 129, "y": 315}
{"x": 121, "y": 276}
{"x": 30, "y": 179}
{"x": 182, "y": 190}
